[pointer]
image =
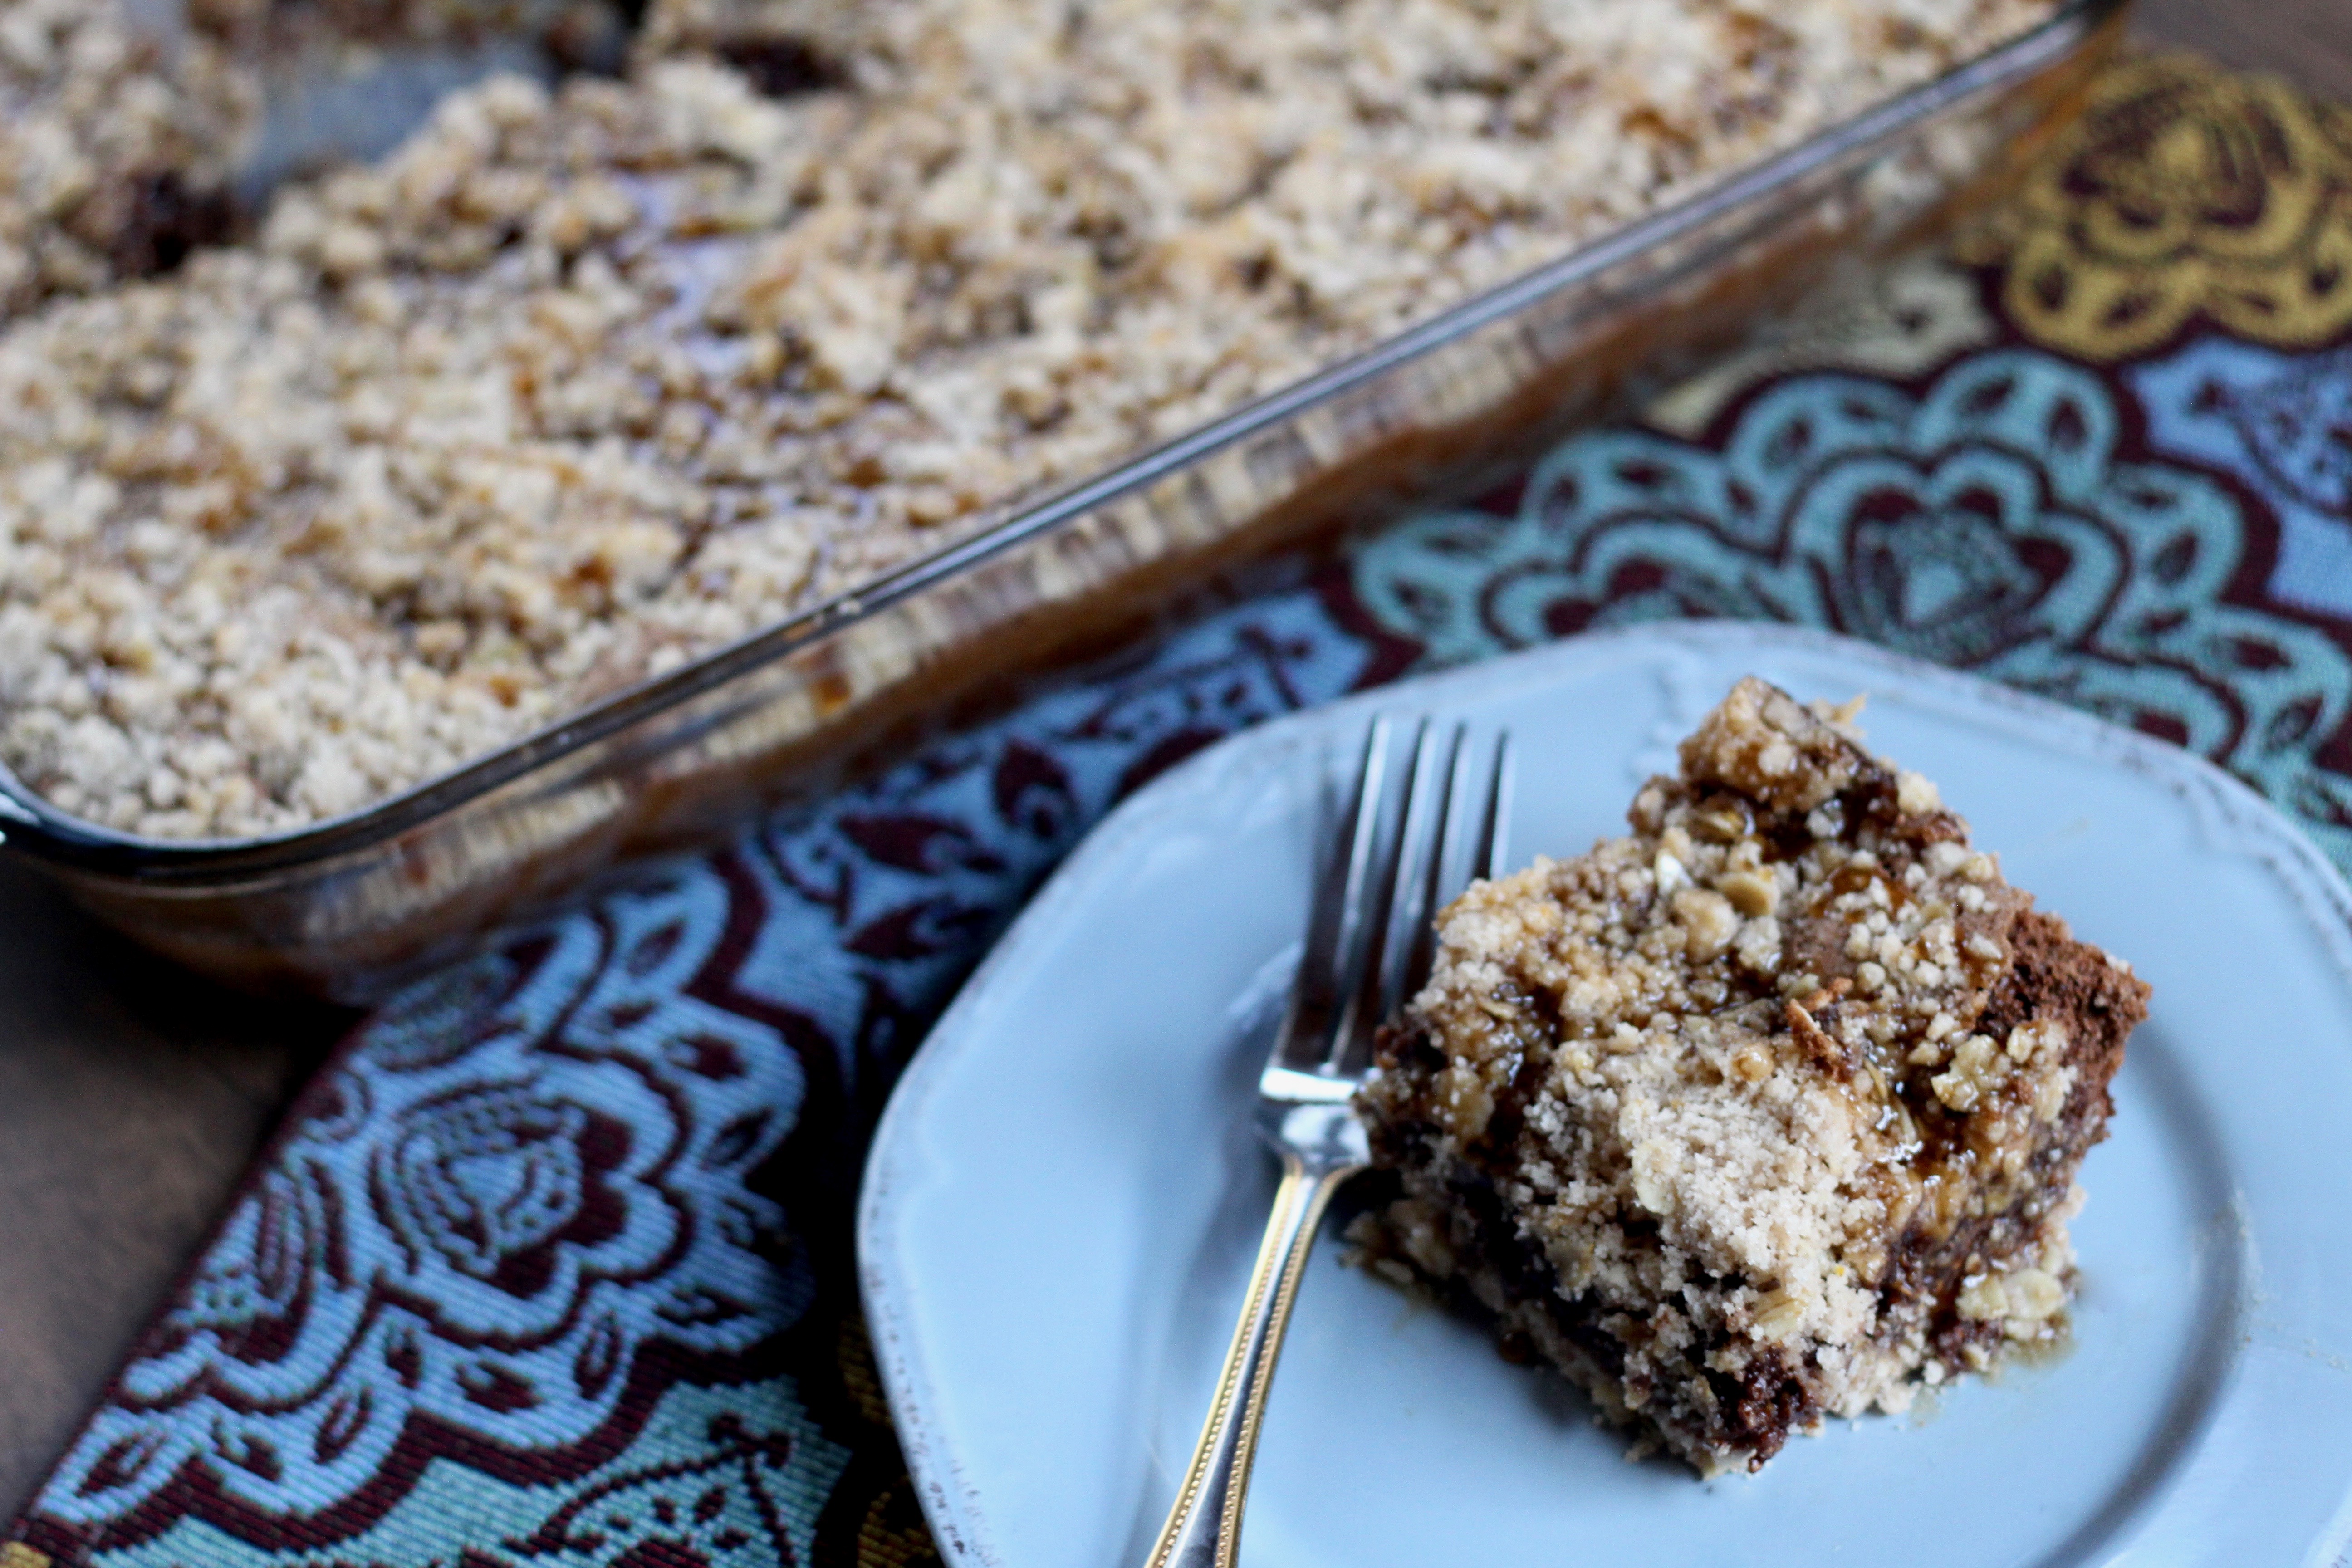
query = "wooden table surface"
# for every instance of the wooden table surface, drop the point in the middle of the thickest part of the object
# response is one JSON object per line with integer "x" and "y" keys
{"x": 131, "y": 1096}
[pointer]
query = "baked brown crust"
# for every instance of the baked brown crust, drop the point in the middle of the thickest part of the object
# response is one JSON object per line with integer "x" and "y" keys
{"x": 1769, "y": 1110}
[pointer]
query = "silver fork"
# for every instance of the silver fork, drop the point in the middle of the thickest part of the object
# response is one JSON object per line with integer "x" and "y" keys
{"x": 1369, "y": 942}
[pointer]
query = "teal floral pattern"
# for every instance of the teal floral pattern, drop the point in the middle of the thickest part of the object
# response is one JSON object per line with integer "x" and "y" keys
{"x": 1992, "y": 522}
{"x": 2282, "y": 425}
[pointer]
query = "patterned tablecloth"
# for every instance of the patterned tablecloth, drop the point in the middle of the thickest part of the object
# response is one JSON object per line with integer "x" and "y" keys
{"x": 551, "y": 1264}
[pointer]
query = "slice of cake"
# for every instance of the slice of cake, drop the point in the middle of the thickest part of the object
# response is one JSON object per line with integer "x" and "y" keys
{"x": 1768, "y": 1111}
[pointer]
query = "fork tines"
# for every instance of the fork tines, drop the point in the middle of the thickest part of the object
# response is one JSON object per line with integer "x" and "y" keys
{"x": 1406, "y": 846}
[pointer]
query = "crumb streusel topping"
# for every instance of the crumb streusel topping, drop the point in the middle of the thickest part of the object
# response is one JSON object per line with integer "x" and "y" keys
{"x": 573, "y": 388}
{"x": 1786, "y": 1086}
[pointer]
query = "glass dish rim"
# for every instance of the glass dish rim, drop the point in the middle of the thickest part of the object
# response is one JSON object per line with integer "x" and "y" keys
{"x": 32, "y": 826}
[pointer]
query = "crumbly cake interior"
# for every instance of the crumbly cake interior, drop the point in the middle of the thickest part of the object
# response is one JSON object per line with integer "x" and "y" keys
{"x": 115, "y": 146}
{"x": 124, "y": 123}
{"x": 1768, "y": 1111}
{"x": 574, "y": 387}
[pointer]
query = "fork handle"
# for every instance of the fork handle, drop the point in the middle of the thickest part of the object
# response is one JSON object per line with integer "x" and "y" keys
{"x": 1204, "y": 1527}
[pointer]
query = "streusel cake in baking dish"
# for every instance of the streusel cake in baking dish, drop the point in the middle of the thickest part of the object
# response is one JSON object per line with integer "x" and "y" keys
{"x": 1770, "y": 1110}
{"x": 576, "y": 386}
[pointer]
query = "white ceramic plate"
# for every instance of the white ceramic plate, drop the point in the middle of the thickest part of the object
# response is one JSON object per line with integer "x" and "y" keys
{"x": 1062, "y": 1199}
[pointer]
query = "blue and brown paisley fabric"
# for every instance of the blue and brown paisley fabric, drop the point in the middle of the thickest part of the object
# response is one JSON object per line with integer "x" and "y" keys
{"x": 551, "y": 1264}
{"x": 2007, "y": 518}
{"x": 2189, "y": 198}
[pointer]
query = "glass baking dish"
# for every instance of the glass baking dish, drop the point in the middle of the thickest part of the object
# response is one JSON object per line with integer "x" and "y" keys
{"x": 348, "y": 907}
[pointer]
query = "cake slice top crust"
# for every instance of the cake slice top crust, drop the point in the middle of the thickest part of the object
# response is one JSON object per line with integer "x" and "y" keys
{"x": 1774, "y": 1039}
